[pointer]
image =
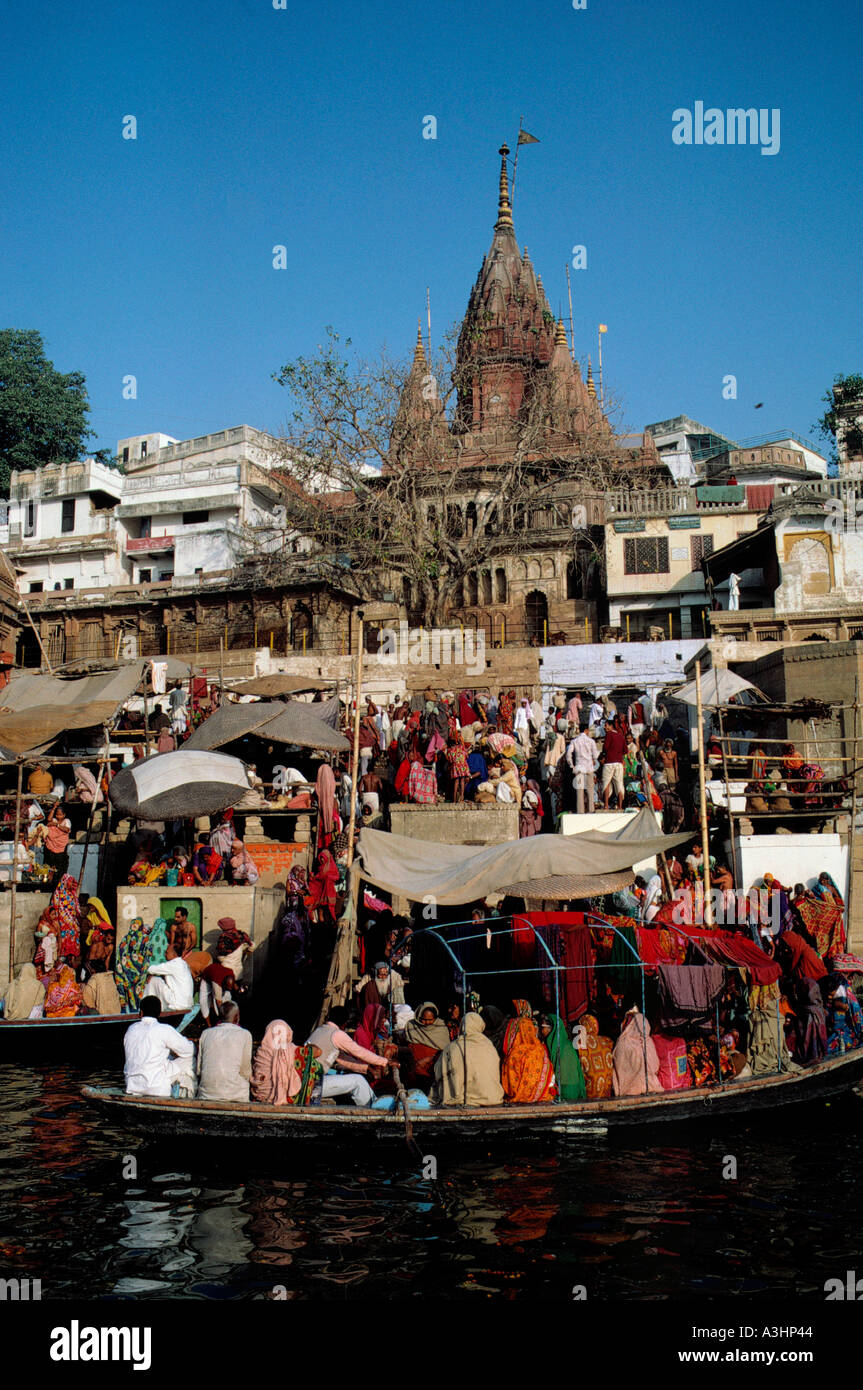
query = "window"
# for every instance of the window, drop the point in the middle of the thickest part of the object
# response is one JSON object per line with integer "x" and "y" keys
{"x": 146, "y": 527}
{"x": 145, "y": 576}
{"x": 68, "y": 583}
{"x": 699, "y": 547}
{"x": 67, "y": 521}
{"x": 36, "y": 586}
{"x": 126, "y": 455}
{"x": 199, "y": 570}
{"x": 165, "y": 574}
{"x": 143, "y": 448}
{"x": 30, "y": 519}
{"x": 195, "y": 518}
{"x": 645, "y": 555}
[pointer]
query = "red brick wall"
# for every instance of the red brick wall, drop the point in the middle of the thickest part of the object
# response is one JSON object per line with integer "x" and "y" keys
{"x": 275, "y": 861}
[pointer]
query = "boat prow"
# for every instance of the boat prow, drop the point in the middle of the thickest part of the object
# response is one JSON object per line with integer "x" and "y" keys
{"x": 69, "y": 1037}
{"x": 245, "y": 1120}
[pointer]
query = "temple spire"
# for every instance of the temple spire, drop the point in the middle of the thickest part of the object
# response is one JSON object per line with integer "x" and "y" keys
{"x": 504, "y": 210}
{"x": 560, "y": 334}
{"x": 419, "y": 350}
{"x": 591, "y": 389}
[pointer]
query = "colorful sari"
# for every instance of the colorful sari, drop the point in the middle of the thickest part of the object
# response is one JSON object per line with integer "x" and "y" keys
{"x": 566, "y": 1062}
{"x": 844, "y": 1021}
{"x": 133, "y": 959}
{"x": 208, "y": 863}
{"x": 63, "y": 997}
{"x": 64, "y": 905}
{"x": 596, "y": 1057}
{"x": 322, "y": 885}
{"x": 822, "y": 912}
{"x": 505, "y": 713}
{"x": 527, "y": 1074}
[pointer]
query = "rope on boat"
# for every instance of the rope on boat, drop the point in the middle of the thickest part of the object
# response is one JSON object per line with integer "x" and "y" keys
{"x": 402, "y": 1100}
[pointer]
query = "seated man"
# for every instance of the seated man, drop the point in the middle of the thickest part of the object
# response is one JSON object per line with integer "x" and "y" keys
{"x": 218, "y": 987}
{"x": 100, "y": 991}
{"x": 338, "y": 1050}
{"x": 159, "y": 1060}
{"x": 172, "y": 984}
{"x": 225, "y": 1058}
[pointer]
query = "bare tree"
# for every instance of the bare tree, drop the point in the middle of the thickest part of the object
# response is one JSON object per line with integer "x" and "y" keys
{"x": 387, "y": 487}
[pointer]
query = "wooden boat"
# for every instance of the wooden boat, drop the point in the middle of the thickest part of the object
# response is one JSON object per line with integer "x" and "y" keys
{"x": 240, "y": 1120}
{"x": 67, "y": 1038}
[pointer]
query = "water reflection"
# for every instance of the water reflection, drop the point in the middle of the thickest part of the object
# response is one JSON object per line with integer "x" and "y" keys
{"x": 650, "y": 1216}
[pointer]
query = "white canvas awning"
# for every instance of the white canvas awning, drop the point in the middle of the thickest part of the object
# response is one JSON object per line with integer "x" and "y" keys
{"x": 453, "y": 874}
{"x": 717, "y": 687}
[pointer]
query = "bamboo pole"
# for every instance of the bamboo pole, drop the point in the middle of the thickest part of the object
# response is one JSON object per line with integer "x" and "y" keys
{"x": 15, "y": 872}
{"x": 852, "y": 831}
{"x": 734, "y": 864}
{"x": 102, "y": 766}
{"x": 702, "y": 800}
{"x": 355, "y": 767}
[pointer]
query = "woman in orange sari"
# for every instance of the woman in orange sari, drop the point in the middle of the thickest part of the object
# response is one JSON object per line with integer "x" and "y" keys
{"x": 595, "y": 1055}
{"x": 63, "y": 996}
{"x": 527, "y": 1074}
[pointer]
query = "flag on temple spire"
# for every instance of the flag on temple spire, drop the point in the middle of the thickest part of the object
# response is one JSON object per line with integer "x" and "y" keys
{"x": 525, "y": 139}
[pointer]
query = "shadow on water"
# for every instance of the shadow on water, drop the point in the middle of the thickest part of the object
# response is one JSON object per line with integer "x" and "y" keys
{"x": 657, "y": 1214}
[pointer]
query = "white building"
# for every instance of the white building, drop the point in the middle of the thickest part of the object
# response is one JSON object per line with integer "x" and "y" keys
{"x": 178, "y": 510}
{"x": 199, "y": 506}
{"x": 61, "y": 527}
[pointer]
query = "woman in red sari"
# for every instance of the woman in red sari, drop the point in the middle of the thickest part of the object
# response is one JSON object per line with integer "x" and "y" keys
{"x": 322, "y": 887}
{"x": 506, "y": 712}
{"x": 527, "y": 1074}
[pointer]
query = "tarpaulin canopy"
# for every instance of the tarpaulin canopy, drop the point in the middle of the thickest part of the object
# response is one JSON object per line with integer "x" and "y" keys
{"x": 529, "y": 867}
{"x": 36, "y": 708}
{"x": 725, "y": 948}
{"x": 717, "y": 687}
{"x": 169, "y": 786}
{"x": 295, "y": 723}
{"x": 278, "y": 683}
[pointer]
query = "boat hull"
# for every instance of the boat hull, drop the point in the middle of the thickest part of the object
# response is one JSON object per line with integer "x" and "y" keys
{"x": 67, "y": 1038}
{"x": 236, "y": 1120}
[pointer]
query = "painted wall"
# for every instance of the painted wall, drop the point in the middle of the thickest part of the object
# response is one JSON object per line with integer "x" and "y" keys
{"x": 594, "y": 666}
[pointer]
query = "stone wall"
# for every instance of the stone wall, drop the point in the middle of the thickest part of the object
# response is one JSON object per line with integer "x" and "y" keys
{"x": 466, "y": 824}
{"x": 29, "y": 907}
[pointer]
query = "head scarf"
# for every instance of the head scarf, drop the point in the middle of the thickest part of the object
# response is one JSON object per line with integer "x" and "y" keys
{"x": 427, "y": 1035}
{"x": 274, "y": 1075}
{"x": 230, "y": 937}
{"x": 207, "y": 860}
{"x": 90, "y": 790}
{"x": 367, "y": 1032}
{"x": 630, "y": 1051}
{"x": 566, "y": 1062}
{"x": 158, "y": 942}
{"x": 23, "y": 994}
{"x": 495, "y": 1021}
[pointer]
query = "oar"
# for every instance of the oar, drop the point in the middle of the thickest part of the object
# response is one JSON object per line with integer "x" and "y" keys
{"x": 402, "y": 1099}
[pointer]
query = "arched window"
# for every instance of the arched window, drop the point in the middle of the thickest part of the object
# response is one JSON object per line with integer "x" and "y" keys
{"x": 472, "y": 591}
{"x": 574, "y": 586}
{"x": 454, "y": 523}
{"x": 485, "y": 580}
{"x": 470, "y": 519}
{"x": 536, "y": 617}
{"x": 500, "y": 585}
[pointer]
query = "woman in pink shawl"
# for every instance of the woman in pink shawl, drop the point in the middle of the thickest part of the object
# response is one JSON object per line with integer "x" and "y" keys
{"x": 370, "y": 1026}
{"x": 630, "y": 1050}
{"x": 86, "y": 786}
{"x": 284, "y": 1074}
{"x": 325, "y": 793}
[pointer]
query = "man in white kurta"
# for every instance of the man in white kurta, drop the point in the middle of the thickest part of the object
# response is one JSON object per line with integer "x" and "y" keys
{"x": 157, "y": 1056}
{"x": 172, "y": 984}
{"x": 225, "y": 1059}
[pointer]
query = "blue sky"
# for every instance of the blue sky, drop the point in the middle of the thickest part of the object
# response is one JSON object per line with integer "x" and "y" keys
{"x": 303, "y": 126}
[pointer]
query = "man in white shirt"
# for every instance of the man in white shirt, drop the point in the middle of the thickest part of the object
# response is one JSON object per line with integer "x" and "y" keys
{"x": 172, "y": 983}
{"x": 596, "y": 716}
{"x": 225, "y": 1058}
{"x": 157, "y": 1056}
{"x": 583, "y": 759}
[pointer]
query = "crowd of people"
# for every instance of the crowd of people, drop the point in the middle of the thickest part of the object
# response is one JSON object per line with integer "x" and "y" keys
{"x": 488, "y": 749}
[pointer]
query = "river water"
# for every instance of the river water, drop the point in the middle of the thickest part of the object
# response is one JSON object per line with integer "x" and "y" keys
{"x": 657, "y": 1215}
